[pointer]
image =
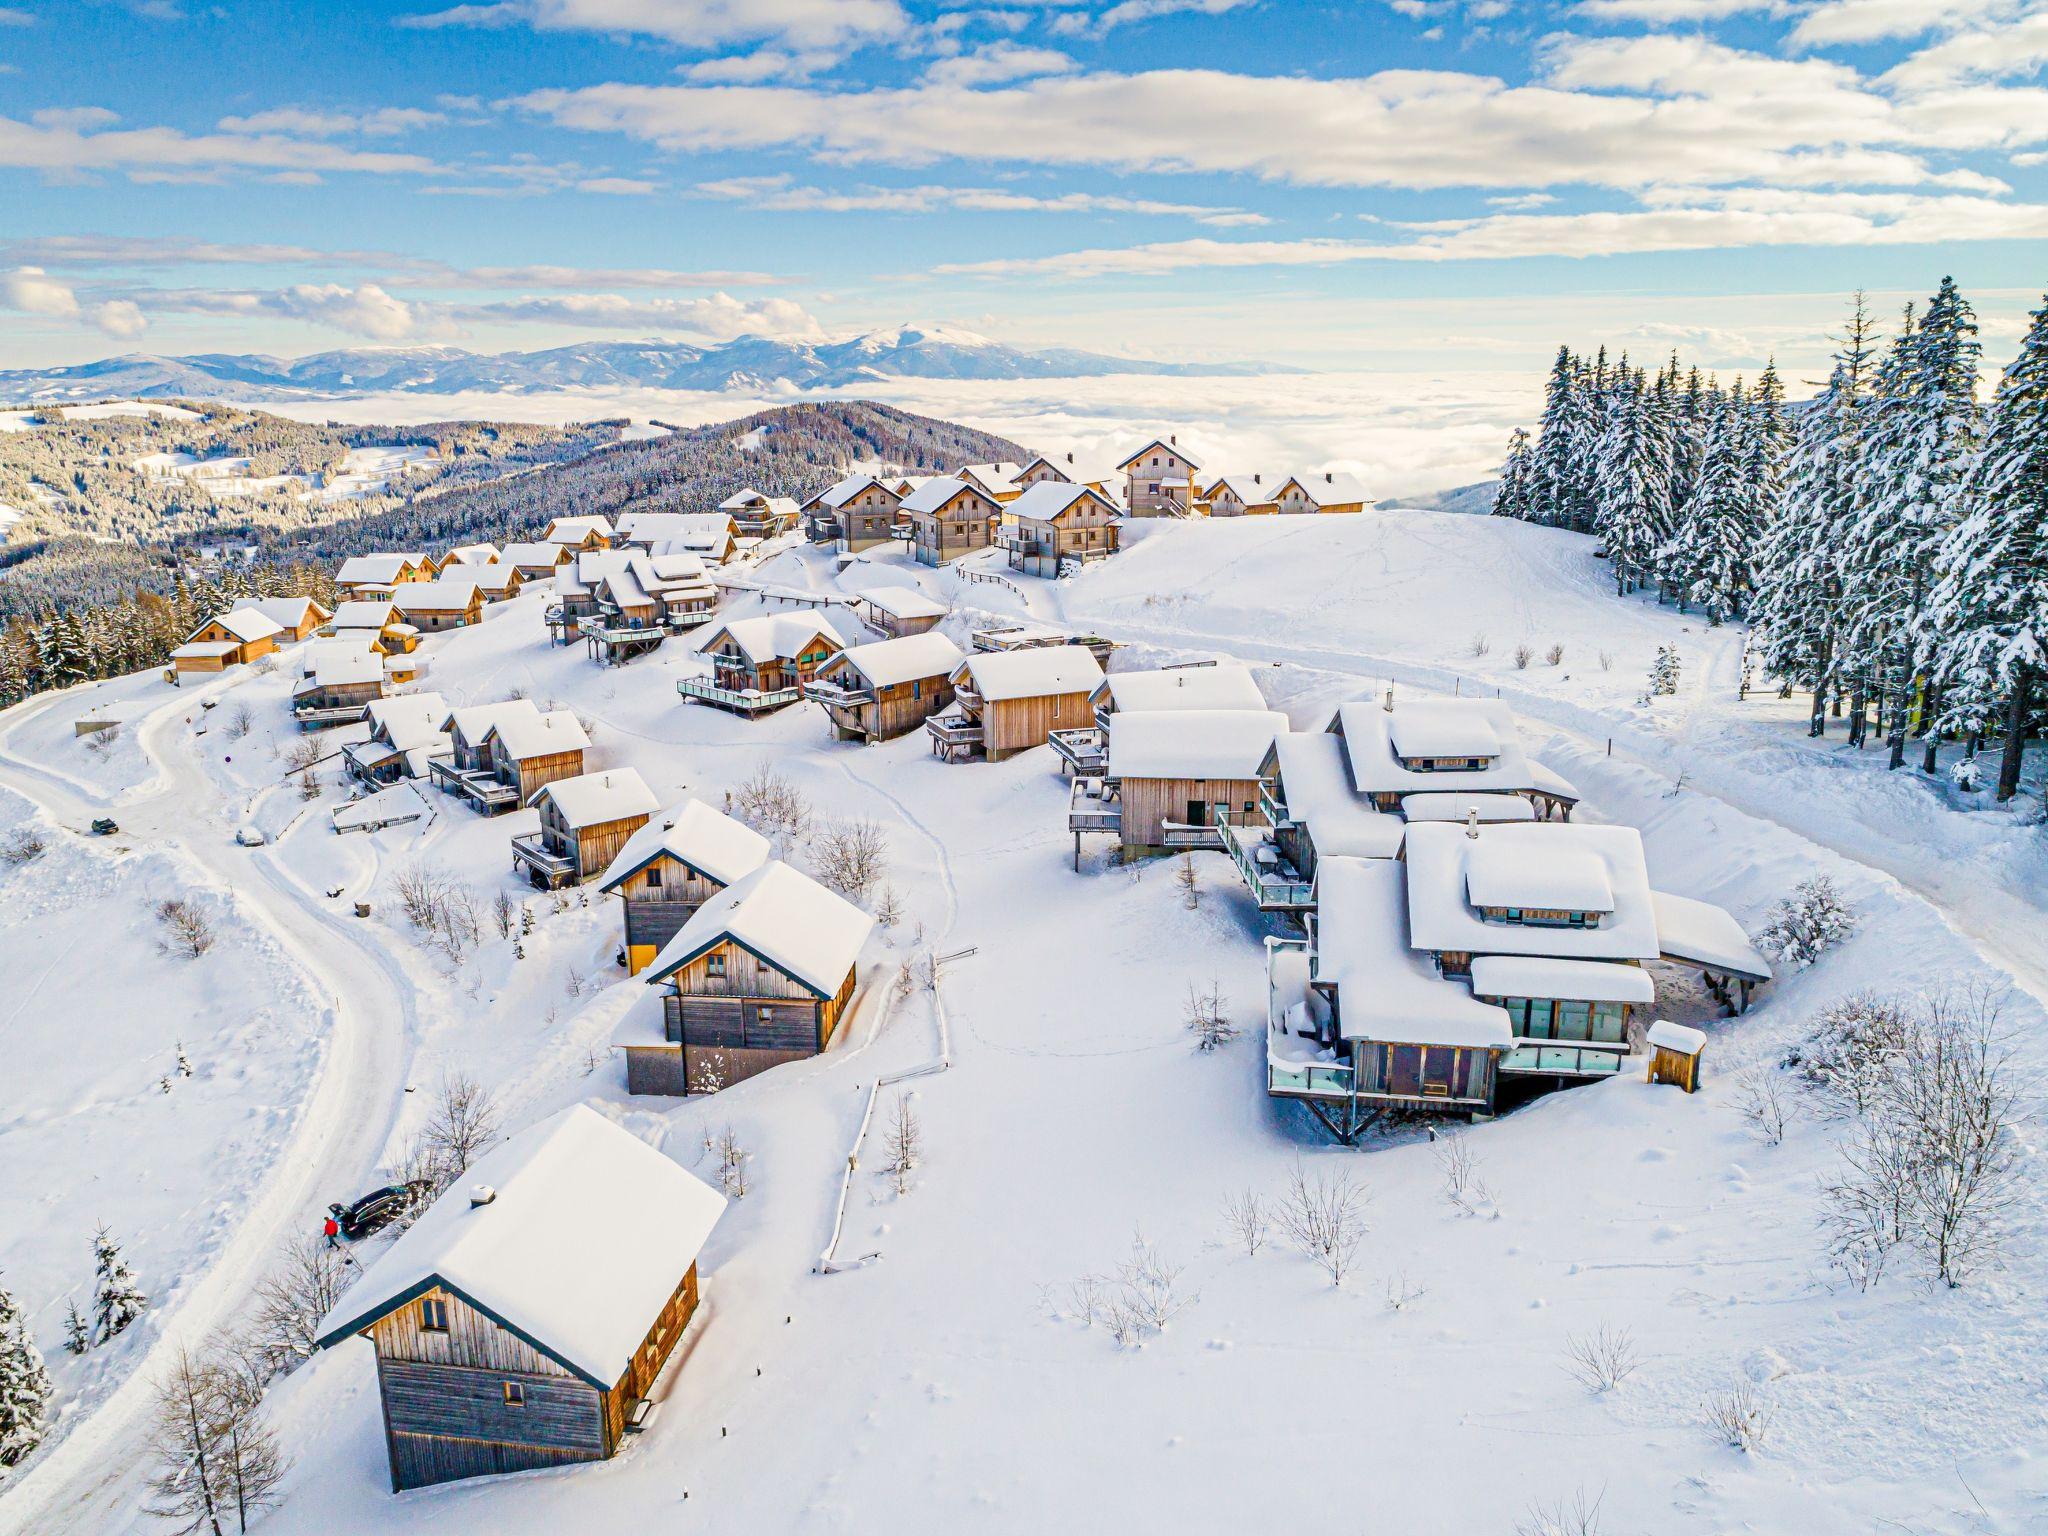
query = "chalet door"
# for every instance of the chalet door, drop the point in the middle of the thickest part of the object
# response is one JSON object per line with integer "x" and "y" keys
{"x": 1198, "y": 814}
{"x": 1439, "y": 1071}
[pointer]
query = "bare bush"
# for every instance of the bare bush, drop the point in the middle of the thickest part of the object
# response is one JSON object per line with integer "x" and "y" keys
{"x": 187, "y": 929}
{"x": 904, "y": 1142}
{"x": 851, "y": 857}
{"x": 1806, "y": 924}
{"x": 309, "y": 786}
{"x": 21, "y": 846}
{"x": 1403, "y": 1293}
{"x": 1323, "y": 1215}
{"x": 1150, "y": 1285}
{"x": 888, "y": 907}
{"x": 732, "y": 1164}
{"x": 463, "y": 1121}
{"x": 1208, "y": 1015}
{"x": 1603, "y": 1359}
{"x": 1480, "y": 645}
{"x": 1523, "y": 656}
{"x": 293, "y": 1298}
{"x": 1554, "y": 655}
{"x": 1189, "y": 881}
{"x": 1575, "y": 1516}
{"x": 1760, "y": 1100}
{"x": 301, "y": 753}
{"x": 239, "y": 722}
{"x": 440, "y": 906}
{"x": 1244, "y": 1215}
{"x": 101, "y": 742}
{"x": 1741, "y": 1414}
{"x": 772, "y": 806}
{"x": 1850, "y": 1052}
{"x": 504, "y": 913}
{"x": 1459, "y": 1165}
{"x": 1607, "y": 661}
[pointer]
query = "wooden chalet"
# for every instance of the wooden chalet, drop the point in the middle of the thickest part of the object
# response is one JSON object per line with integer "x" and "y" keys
{"x": 763, "y": 974}
{"x": 453, "y": 601}
{"x": 671, "y": 867}
{"x": 379, "y": 575}
{"x": 949, "y": 518}
{"x": 1444, "y": 746}
{"x": 626, "y": 602}
{"x": 407, "y": 736}
{"x": 1308, "y": 811}
{"x": 1174, "y": 778}
{"x": 1053, "y": 524}
{"x": 496, "y": 580}
{"x": 482, "y": 553}
{"x": 898, "y": 611}
{"x": 584, "y": 822}
{"x": 297, "y": 618}
{"x": 1328, "y": 492}
{"x": 1006, "y": 702}
{"x": 579, "y": 533}
{"x": 1039, "y": 470}
{"x": 500, "y": 755}
{"x": 885, "y": 688}
{"x": 1160, "y": 480}
{"x": 996, "y": 480}
{"x": 1237, "y": 496}
{"x": 711, "y": 536}
{"x": 756, "y": 515}
{"x": 1194, "y": 685}
{"x": 231, "y": 639}
{"x": 853, "y": 514}
{"x": 537, "y": 559}
{"x": 339, "y": 681}
{"x": 762, "y": 663}
{"x": 522, "y": 1321}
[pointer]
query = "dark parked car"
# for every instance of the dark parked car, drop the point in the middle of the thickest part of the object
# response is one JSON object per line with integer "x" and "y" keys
{"x": 103, "y": 826}
{"x": 378, "y": 1207}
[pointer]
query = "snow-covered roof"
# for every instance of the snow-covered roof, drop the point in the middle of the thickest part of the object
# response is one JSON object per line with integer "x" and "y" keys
{"x": 1181, "y": 454}
{"x": 493, "y": 575}
{"x": 706, "y": 839}
{"x": 1036, "y": 672}
{"x": 1442, "y": 918}
{"x": 195, "y": 650}
{"x": 286, "y": 612}
{"x": 1547, "y": 874}
{"x": 1442, "y": 728}
{"x": 771, "y": 636}
{"x": 1702, "y": 934}
{"x": 743, "y": 500}
{"x": 1320, "y": 797}
{"x": 1250, "y": 489}
{"x": 475, "y": 721}
{"x": 840, "y": 492}
{"x": 525, "y": 735}
{"x": 886, "y": 663}
{"x": 387, "y": 807}
{"x": 1049, "y": 499}
{"x": 1578, "y": 981}
{"x": 247, "y": 624}
{"x": 471, "y": 554}
{"x": 375, "y": 570}
{"x": 1682, "y": 1038}
{"x": 1226, "y": 685}
{"x": 588, "y": 1233}
{"x": 934, "y": 494}
{"x": 785, "y": 917}
{"x": 533, "y": 552}
{"x": 1386, "y": 990}
{"x": 691, "y": 530}
{"x": 1369, "y": 745}
{"x": 410, "y": 721}
{"x": 1191, "y": 743}
{"x": 573, "y": 530}
{"x": 333, "y": 666}
{"x": 1458, "y": 806}
{"x": 363, "y": 613}
{"x": 904, "y": 603}
{"x": 445, "y": 594}
{"x": 1333, "y": 489}
{"x": 589, "y": 799}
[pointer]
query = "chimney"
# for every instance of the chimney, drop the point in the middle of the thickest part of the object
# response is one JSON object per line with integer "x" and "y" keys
{"x": 481, "y": 1194}
{"x": 1256, "y": 479}
{"x": 1388, "y": 706}
{"x": 1472, "y": 824}
{"x": 1328, "y": 478}
{"x": 1070, "y": 458}
{"x": 1172, "y": 440}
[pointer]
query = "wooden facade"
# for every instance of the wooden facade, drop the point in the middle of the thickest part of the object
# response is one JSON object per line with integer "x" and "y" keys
{"x": 657, "y": 901}
{"x": 433, "y": 620}
{"x": 734, "y": 1015}
{"x": 861, "y": 711}
{"x": 1010, "y": 726}
{"x": 1149, "y": 804}
{"x": 965, "y": 522}
{"x": 227, "y": 648}
{"x": 1085, "y": 529}
{"x": 1157, "y": 480}
{"x": 529, "y": 774}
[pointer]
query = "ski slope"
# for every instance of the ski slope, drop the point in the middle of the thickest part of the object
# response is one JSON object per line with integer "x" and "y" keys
{"x": 938, "y": 1387}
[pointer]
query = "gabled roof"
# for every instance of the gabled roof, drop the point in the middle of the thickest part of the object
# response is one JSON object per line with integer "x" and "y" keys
{"x": 588, "y": 799}
{"x": 1060, "y": 471}
{"x": 245, "y": 624}
{"x": 687, "y": 529}
{"x": 781, "y": 915}
{"x": 588, "y": 1233}
{"x": 1368, "y": 728}
{"x": 494, "y": 576}
{"x": 1441, "y": 914}
{"x": 1191, "y": 743}
{"x": 841, "y": 491}
{"x": 1332, "y": 489}
{"x": 537, "y": 735}
{"x": 289, "y": 612}
{"x": 1226, "y": 685}
{"x": 1049, "y": 500}
{"x": 473, "y": 722}
{"x": 886, "y": 663}
{"x": 1035, "y": 672}
{"x": 444, "y": 594}
{"x": 363, "y": 613}
{"x": 1251, "y": 491}
{"x": 376, "y": 570}
{"x": 1320, "y": 797}
{"x": 573, "y": 530}
{"x": 1505, "y": 873}
{"x": 409, "y": 721}
{"x": 340, "y": 667}
{"x": 1387, "y": 990}
{"x": 742, "y": 500}
{"x": 471, "y": 554}
{"x": 534, "y": 552}
{"x": 903, "y": 603}
{"x": 1180, "y": 453}
{"x": 707, "y": 840}
{"x": 934, "y": 494}
{"x": 775, "y": 636}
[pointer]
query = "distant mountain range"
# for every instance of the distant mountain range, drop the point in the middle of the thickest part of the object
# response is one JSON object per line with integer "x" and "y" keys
{"x": 749, "y": 364}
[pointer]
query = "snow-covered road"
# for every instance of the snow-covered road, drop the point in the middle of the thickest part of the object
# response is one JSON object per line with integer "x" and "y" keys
{"x": 92, "y": 1479}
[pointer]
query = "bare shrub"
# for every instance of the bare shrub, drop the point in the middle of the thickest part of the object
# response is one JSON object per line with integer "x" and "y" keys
{"x": 1244, "y": 1215}
{"x": 1574, "y": 1516}
{"x": 101, "y": 742}
{"x": 1851, "y": 1050}
{"x": 1150, "y": 1285}
{"x": 851, "y": 857}
{"x": 1188, "y": 880}
{"x": 1403, "y": 1293}
{"x": 239, "y": 722}
{"x": 888, "y": 907}
{"x": 293, "y": 1298}
{"x": 463, "y": 1121}
{"x": 1208, "y": 1015}
{"x": 1459, "y": 1165}
{"x": 504, "y": 913}
{"x": 216, "y": 1464}
{"x": 1323, "y": 1215}
{"x": 1603, "y": 1359}
{"x": 21, "y": 846}
{"x": 1760, "y": 1100}
{"x": 309, "y": 786}
{"x": 1554, "y": 655}
{"x": 1607, "y": 661}
{"x": 440, "y": 906}
{"x": 1741, "y": 1414}
{"x": 187, "y": 929}
{"x": 904, "y": 1142}
{"x": 732, "y": 1164}
{"x": 1481, "y": 645}
{"x": 301, "y": 753}
{"x": 1806, "y": 924}
{"x": 772, "y": 806}
{"x": 1523, "y": 656}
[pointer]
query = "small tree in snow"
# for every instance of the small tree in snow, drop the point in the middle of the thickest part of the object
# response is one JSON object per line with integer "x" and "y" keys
{"x": 1209, "y": 1016}
{"x": 1189, "y": 882}
{"x": 1850, "y": 1052}
{"x": 77, "y": 1331}
{"x": 905, "y": 1142}
{"x": 1244, "y": 1214}
{"x": 504, "y": 913}
{"x": 772, "y": 806}
{"x": 300, "y": 1290}
{"x": 1808, "y": 923}
{"x": 117, "y": 1297}
{"x": 1575, "y": 1516}
{"x": 851, "y": 857}
{"x": 1761, "y": 1102}
{"x": 1459, "y": 1165}
{"x": 217, "y": 1465}
{"x": 1323, "y": 1215}
{"x": 24, "y": 1385}
{"x": 1150, "y": 1286}
{"x": 1741, "y": 1414}
{"x": 21, "y": 846}
{"x": 732, "y": 1164}
{"x": 187, "y": 930}
{"x": 1603, "y": 1359}
{"x": 463, "y": 1122}
{"x": 888, "y": 907}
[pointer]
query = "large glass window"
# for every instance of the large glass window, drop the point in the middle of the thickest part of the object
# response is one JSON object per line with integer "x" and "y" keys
{"x": 1610, "y": 1022}
{"x": 1574, "y": 1021}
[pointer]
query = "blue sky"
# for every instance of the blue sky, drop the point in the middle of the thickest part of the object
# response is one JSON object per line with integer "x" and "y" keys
{"x": 1387, "y": 183}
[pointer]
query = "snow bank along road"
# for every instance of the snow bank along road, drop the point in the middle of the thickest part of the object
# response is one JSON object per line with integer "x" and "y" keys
{"x": 92, "y": 1477}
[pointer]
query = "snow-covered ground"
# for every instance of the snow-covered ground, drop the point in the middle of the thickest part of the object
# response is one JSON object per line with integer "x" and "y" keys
{"x": 937, "y": 1388}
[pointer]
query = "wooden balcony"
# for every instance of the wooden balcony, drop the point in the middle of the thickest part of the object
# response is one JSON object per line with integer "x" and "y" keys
{"x": 1545, "y": 1058}
{"x": 483, "y": 790}
{"x": 1184, "y": 835}
{"x": 544, "y": 866}
{"x": 837, "y": 695}
{"x": 955, "y": 737}
{"x": 316, "y": 717}
{"x": 1275, "y": 885}
{"x": 1094, "y": 806}
{"x": 741, "y": 701}
{"x": 1080, "y": 751}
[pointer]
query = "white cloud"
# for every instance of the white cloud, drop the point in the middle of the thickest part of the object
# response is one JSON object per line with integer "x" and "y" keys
{"x": 997, "y": 62}
{"x": 757, "y": 65}
{"x": 84, "y": 118}
{"x": 165, "y": 153}
{"x": 1077, "y": 24}
{"x": 779, "y": 194}
{"x": 837, "y": 24}
{"x": 1980, "y": 52}
{"x": 120, "y": 317}
{"x": 32, "y": 291}
{"x": 1667, "y": 12}
{"x": 1871, "y": 21}
{"x": 312, "y": 123}
{"x": 366, "y": 310}
{"x": 720, "y": 316}
{"x": 616, "y": 186}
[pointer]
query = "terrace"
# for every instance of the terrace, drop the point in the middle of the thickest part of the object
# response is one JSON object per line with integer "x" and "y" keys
{"x": 483, "y": 790}
{"x": 741, "y": 701}
{"x": 543, "y": 864}
{"x": 1274, "y": 883}
{"x": 1080, "y": 751}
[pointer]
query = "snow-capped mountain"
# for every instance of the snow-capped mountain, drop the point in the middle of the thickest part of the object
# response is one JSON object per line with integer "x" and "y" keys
{"x": 751, "y": 363}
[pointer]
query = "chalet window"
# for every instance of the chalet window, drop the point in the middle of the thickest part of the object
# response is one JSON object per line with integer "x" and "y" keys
{"x": 515, "y": 1394}
{"x": 714, "y": 963}
{"x": 654, "y": 877}
{"x": 1574, "y": 1021}
{"x": 917, "y": 690}
{"x": 433, "y": 1315}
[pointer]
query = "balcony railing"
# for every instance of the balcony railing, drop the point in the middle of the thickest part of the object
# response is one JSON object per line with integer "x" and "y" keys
{"x": 837, "y": 694}
{"x": 1563, "y": 1060}
{"x": 954, "y": 731}
{"x": 1100, "y": 811}
{"x": 1275, "y": 887}
{"x": 1271, "y": 807}
{"x": 483, "y": 788}
{"x": 1081, "y": 750}
{"x": 1181, "y": 834}
{"x": 747, "y": 701}
{"x": 538, "y": 856}
{"x": 597, "y": 627}
{"x": 1310, "y": 1079}
{"x": 329, "y": 714}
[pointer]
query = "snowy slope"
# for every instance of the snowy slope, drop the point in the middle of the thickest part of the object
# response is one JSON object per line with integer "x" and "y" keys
{"x": 935, "y": 1388}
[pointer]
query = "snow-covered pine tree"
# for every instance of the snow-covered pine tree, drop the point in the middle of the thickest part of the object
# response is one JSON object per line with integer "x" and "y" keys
{"x": 117, "y": 1299}
{"x": 1798, "y": 608}
{"x": 1630, "y": 492}
{"x": 1514, "y": 496}
{"x": 1712, "y": 561}
{"x": 1988, "y": 617}
{"x": 24, "y": 1385}
{"x": 77, "y": 1332}
{"x": 1556, "y": 476}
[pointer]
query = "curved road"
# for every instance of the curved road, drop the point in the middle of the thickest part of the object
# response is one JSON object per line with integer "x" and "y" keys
{"x": 93, "y": 1478}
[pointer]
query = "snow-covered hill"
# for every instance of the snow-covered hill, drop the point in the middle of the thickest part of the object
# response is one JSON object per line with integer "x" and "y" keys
{"x": 947, "y": 1385}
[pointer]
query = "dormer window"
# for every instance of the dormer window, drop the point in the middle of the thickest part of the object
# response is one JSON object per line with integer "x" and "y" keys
{"x": 433, "y": 1315}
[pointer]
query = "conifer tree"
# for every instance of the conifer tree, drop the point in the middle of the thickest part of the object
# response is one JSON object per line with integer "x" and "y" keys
{"x": 1630, "y": 490}
{"x": 117, "y": 1298}
{"x": 1514, "y": 496}
{"x": 1714, "y": 563}
{"x": 24, "y": 1385}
